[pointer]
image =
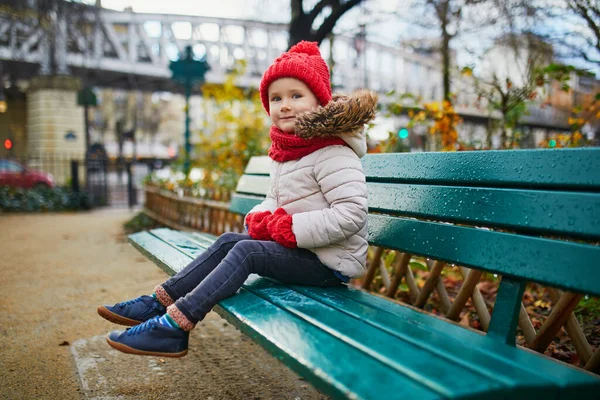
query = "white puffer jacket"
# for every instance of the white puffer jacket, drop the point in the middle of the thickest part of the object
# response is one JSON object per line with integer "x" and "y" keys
{"x": 325, "y": 191}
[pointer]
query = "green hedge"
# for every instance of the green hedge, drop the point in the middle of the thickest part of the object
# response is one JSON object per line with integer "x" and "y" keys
{"x": 42, "y": 199}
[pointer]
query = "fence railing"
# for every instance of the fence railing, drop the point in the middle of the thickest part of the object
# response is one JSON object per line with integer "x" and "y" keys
{"x": 107, "y": 182}
{"x": 207, "y": 214}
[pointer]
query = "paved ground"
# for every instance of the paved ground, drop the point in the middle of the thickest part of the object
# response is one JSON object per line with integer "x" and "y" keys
{"x": 55, "y": 270}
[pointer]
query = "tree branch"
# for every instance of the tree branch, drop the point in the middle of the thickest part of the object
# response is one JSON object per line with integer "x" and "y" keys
{"x": 583, "y": 54}
{"x": 327, "y": 25}
{"x": 568, "y": 50}
{"x": 296, "y": 6}
{"x": 317, "y": 9}
{"x": 582, "y": 11}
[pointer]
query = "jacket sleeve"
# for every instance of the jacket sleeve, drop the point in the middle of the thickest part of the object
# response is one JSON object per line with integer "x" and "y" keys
{"x": 342, "y": 182}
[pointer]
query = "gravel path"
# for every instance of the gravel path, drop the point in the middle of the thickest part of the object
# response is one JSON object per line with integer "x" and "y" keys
{"x": 55, "y": 270}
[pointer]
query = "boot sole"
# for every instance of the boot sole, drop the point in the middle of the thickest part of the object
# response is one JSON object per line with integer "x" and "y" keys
{"x": 126, "y": 349}
{"x": 115, "y": 318}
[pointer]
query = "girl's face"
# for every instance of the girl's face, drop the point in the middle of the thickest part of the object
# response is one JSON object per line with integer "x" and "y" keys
{"x": 289, "y": 97}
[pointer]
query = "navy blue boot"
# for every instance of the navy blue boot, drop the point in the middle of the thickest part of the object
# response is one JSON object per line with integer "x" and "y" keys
{"x": 151, "y": 339}
{"x": 133, "y": 312}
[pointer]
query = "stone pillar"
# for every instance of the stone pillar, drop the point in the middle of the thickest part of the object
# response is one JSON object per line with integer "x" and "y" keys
{"x": 55, "y": 122}
{"x": 55, "y": 125}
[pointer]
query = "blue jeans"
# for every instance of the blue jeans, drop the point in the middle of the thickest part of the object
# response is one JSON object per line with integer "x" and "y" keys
{"x": 222, "y": 269}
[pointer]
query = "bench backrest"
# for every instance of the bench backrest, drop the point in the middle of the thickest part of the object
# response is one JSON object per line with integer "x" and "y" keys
{"x": 253, "y": 186}
{"x": 529, "y": 215}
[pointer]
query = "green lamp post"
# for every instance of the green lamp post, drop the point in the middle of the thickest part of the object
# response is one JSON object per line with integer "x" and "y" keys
{"x": 187, "y": 72}
{"x": 86, "y": 98}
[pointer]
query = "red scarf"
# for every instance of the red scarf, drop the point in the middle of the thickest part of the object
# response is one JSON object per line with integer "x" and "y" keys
{"x": 287, "y": 146}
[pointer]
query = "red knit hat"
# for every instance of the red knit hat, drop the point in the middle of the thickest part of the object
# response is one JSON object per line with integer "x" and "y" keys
{"x": 303, "y": 62}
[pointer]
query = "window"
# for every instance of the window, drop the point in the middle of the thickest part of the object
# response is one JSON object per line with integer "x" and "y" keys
{"x": 8, "y": 166}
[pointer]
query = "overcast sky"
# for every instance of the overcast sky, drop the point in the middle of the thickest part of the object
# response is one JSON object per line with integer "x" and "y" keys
{"x": 382, "y": 28}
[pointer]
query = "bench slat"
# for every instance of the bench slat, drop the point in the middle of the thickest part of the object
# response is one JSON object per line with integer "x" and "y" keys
{"x": 180, "y": 241}
{"x": 241, "y": 204}
{"x": 559, "y": 213}
{"x": 259, "y": 165}
{"x": 253, "y": 184}
{"x": 420, "y": 362}
{"x": 406, "y": 320}
{"x": 162, "y": 254}
{"x": 569, "y": 265}
{"x": 329, "y": 366}
{"x": 425, "y": 330}
{"x": 205, "y": 239}
{"x": 541, "y": 168}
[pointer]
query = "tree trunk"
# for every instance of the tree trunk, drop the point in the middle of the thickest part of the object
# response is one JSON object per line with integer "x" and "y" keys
{"x": 445, "y": 49}
{"x": 489, "y": 133}
{"x": 503, "y": 133}
{"x": 301, "y": 22}
{"x": 504, "y": 110}
{"x": 300, "y": 30}
{"x": 446, "y": 64}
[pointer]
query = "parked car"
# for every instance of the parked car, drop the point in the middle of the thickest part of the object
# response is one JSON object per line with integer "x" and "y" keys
{"x": 15, "y": 174}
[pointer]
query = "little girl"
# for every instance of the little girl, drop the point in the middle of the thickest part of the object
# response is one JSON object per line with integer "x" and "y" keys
{"x": 310, "y": 229}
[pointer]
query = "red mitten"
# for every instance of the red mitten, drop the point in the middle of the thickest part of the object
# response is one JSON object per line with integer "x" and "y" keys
{"x": 280, "y": 229}
{"x": 257, "y": 225}
{"x": 256, "y": 216}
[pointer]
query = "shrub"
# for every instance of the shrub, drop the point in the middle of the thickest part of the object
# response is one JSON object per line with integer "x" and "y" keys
{"x": 42, "y": 199}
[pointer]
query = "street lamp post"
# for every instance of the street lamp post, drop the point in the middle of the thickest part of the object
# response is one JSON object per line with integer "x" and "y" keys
{"x": 187, "y": 71}
{"x": 86, "y": 98}
{"x": 360, "y": 45}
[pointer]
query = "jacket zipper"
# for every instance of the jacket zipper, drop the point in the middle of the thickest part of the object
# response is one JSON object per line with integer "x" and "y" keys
{"x": 277, "y": 175}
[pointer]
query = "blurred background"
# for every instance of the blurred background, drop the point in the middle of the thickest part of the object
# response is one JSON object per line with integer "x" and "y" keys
{"x": 90, "y": 97}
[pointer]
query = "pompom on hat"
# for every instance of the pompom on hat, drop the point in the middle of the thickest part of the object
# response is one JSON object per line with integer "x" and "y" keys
{"x": 303, "y": 62}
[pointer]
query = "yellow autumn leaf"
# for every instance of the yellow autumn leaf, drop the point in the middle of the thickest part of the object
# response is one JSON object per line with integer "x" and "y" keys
{"x": 434, "y": 107}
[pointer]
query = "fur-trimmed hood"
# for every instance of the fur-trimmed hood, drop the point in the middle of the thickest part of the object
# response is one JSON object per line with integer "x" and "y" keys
{"x": 344, "y": 117}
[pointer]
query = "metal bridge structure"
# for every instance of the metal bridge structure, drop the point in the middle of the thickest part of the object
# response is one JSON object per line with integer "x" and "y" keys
{"x": 130, "y": 50}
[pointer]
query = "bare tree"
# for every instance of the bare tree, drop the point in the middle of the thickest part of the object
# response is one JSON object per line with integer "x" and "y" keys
{"x": 572, "y": 26}
{"x": 302, "y": 22}
{"x": 509, "y": 91}
{"x": 445, "y": 16}
{"x": 589, "y": 12}
{"x": 453, "y": 18}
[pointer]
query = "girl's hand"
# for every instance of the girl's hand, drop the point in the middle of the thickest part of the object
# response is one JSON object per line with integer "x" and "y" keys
{"x": 279, "y": 228}
{"x": 257, "y": 225}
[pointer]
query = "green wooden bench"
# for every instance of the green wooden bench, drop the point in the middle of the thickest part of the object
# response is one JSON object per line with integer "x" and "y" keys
{"x": 529, "y": 215}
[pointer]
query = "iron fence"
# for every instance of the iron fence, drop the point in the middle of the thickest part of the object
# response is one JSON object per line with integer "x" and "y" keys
{"x": 107, "y": 182}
